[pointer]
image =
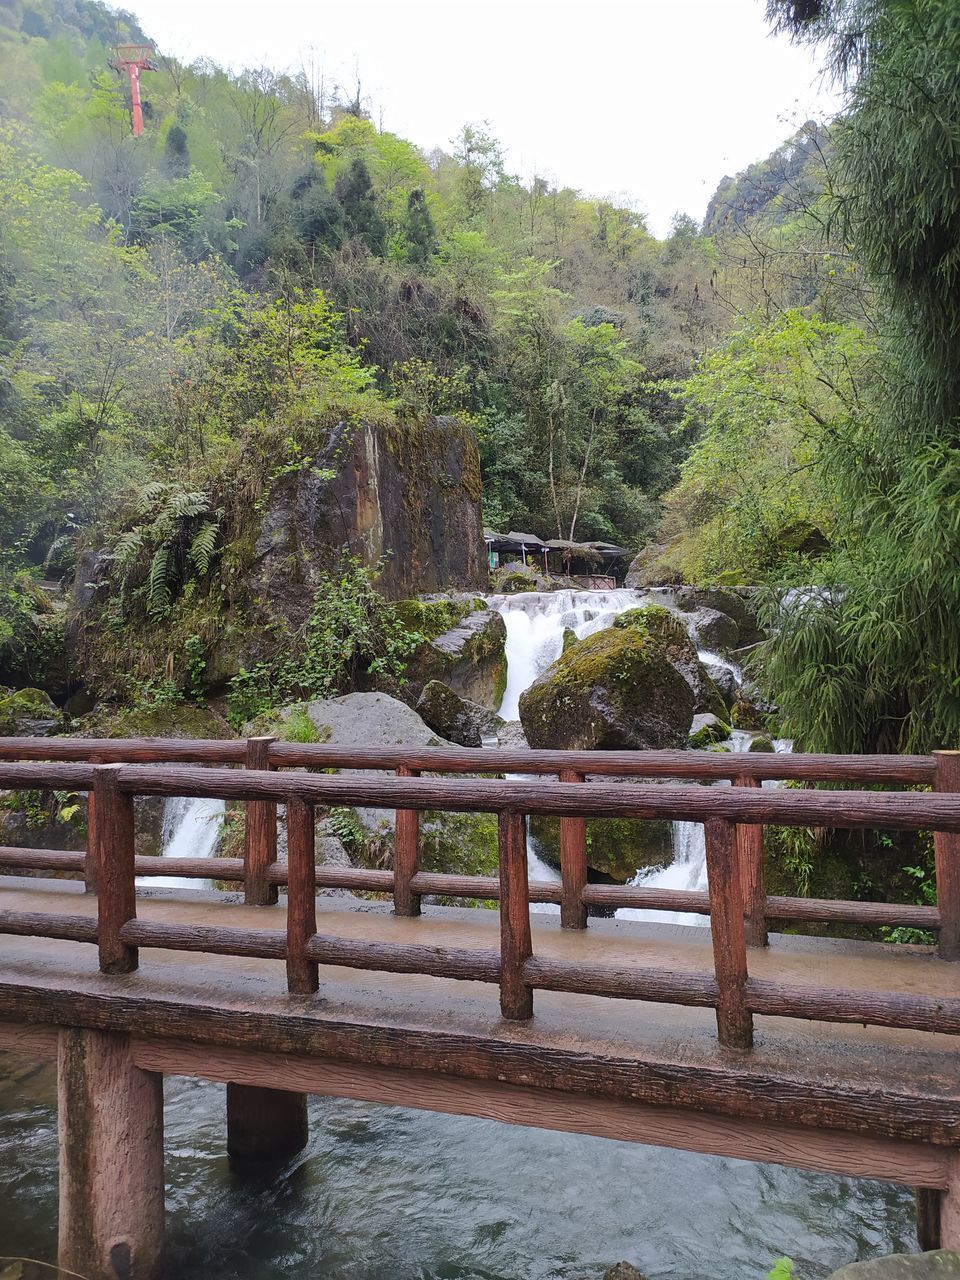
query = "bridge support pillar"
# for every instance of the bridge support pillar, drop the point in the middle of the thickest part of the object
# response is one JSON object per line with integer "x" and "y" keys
{"x": 950, "y": 1207}
{"x": 110, "y": 1122}
{"x": 265, "y": 1124}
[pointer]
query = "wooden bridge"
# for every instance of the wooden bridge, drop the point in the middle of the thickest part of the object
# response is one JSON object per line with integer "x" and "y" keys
{"x": 822, "y": 1054}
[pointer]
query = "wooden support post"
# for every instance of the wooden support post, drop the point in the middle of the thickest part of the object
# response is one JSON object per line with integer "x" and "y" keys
{"x": 110, "y": 1123}
{"x": 573, "y": 864}
{"x": 90, "y": 861}
{"x": 750, "y": 853}
{"x": 114, "y": 859}
{"x": 734, "y": 1020}
{"x": 265, "y": 1124}
{"x": 946, "y": 847}
{"x": 516, "y": 947}
{"x": 950, "y": 1207}
{"x": 928, "y": 1218}
{"x": 406, "y": 855}
{"x": 260, "y": 833}
{"x": 301, "y": 896}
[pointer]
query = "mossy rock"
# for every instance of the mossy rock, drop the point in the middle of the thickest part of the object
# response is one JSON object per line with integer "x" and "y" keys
{"x": 28, "y": 713}
{"x": 457, "y": 719}
{"x": 616, "y": 689}
{"x": 666, "y": 629}
{"x": 706, "y": 730}
{"x": 510, "y": 579}
{"x": 432, "y": 617}
{"x": 569, "y": 639}
{"x": 616, "y": 847}
{"x": 762, "y": 742}
{"x": 168, "y": 720}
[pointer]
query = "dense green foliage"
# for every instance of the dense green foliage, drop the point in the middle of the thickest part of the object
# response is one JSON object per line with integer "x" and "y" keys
{"x": 875, "y": 663}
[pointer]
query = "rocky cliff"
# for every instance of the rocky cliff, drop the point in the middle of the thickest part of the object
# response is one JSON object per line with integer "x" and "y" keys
{"x": 406, "y": 494}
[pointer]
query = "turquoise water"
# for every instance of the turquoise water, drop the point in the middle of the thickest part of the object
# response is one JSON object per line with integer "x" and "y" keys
{"x": 383, "y": 1193}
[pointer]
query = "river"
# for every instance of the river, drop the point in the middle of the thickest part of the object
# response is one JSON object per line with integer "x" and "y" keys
{"x": 383, "y": 1193}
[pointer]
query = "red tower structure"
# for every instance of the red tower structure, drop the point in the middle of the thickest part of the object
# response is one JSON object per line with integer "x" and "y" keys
{"x": 132, "y": 59}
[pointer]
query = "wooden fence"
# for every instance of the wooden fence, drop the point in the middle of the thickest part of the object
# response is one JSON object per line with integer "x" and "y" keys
{"x": 114, "y": 772}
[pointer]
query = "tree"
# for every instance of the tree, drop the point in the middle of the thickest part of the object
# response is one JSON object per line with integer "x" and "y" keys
{"x": 361, "y": 216}
{"x": 176, "y": 152}
{"x": 419, "y": 232}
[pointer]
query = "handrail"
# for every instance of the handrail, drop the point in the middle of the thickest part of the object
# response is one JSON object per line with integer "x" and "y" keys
{"x": 736, "y": 997}
{"x": 764, "y": 766}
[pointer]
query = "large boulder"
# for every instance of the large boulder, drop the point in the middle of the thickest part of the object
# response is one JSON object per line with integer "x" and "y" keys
{"x": 461, "y": 843}
{"x": 28, "y": 713}
{"x": 455, "y": 718}
{"x": 714, "y": 630}
{"x": 402, "y": 495}
{"x": 616, "y": 689}
{"x": 469, "y": 655}
{"x": 667, "y": 630}
{"x": 616, "y": 847}
{"x": 658, "y": 564}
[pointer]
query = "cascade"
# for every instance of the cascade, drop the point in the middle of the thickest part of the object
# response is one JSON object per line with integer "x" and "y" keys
{"x": 190, "y": 829}
{"x": 535, "y": 622}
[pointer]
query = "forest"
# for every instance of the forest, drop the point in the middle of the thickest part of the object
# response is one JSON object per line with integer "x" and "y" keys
{"x": 767, "y": 398}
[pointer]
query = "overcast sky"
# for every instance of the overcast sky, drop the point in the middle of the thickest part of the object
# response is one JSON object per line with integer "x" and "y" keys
{"x": 648, "y": 100}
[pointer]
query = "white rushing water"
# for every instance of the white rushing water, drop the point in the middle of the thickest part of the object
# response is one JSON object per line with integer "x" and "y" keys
{"x": 535, "y": 623}
{"x": 190, "y": 829}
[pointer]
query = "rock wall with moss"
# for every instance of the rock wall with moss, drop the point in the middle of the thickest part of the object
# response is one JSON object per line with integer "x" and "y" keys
{"x": 406, "y": 493}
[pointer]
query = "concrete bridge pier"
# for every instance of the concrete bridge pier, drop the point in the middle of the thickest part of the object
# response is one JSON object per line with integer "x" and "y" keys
{"x": 110, "y": 1122}
{"x": 265, "y": 1124}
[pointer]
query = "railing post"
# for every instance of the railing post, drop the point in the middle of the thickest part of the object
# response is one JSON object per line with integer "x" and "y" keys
{"x": 301, "y": 896}
{"x": 406, "y": 855}
{"x": 573, "y": 864}
{"x": 90, "y": 861}
{"x": 260, "y": 833}
{"x": 750, "y": 853}
{"x": 114, "y": 858}
{"x": 946, "y": 849}
{"x": 734, "y": 1020}
{"x": 516, "y": 998}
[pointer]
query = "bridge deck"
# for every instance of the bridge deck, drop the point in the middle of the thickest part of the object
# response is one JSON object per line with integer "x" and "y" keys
{"x": 892, "y": 1084}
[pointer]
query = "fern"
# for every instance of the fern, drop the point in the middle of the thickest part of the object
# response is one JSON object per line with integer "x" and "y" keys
{"x": 158, "y": 585}
{"x": 203, "y": 546}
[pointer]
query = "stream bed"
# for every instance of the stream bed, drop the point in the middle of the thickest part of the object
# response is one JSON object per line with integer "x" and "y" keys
{"x": 382, "y": 1193}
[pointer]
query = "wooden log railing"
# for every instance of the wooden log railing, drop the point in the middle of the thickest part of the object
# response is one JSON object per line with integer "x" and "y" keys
{"x": 260, "y": 876}
{"x": 731, "y": 991}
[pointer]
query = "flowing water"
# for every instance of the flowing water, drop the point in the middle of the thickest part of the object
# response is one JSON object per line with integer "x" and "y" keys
{"x": 383, "y": 1193}
{"x": 191, "y": 829}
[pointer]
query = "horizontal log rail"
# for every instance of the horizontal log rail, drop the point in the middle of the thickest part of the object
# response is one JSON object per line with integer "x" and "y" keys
{"x": 731, "y": 991}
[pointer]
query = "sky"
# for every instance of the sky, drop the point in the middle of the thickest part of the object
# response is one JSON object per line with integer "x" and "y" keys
{"x": 651, "y": 102}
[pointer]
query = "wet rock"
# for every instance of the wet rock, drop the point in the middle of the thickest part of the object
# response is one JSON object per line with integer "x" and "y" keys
{"x": 569, "y": 639}
{"x": 714, "y": 630}
{"x": 617, "y": 848}
{"x": 656, "y": 565}
{"x": 615, "y": 689}
{"x": 510, "y": 579}
{"x": 708, "y": 729}
{"x": 28, "y": 713}
{"x": 941, "y": 1264}
{"x": 455, "y": 718}
{"x": 470, "y": 657}
{"x": 623, "y": 1271}
{"x": 724, "y": 679}
{"x": 762, "y": 742}
{"x": 666, "y": 628}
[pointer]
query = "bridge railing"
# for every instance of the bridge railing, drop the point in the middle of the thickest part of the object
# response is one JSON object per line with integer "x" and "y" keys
{"x": 731, "y": 991}
{"x": 260, "y": 874}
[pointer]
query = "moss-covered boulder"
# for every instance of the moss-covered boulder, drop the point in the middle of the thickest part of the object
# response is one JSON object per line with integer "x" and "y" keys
{"x": 468, "y": 653}
{"x": 510, "y": 579}
{"x": 664, "y": 627}
{"x": 28, "y": 713}
{"x": 714, "y": 630}
{"x": 454, "y": 718}
{"x": 706, "y": 730}
{"x": 616, "y": 689}
{"x": 762, "y": 742}
{"x": 616, "y": 847}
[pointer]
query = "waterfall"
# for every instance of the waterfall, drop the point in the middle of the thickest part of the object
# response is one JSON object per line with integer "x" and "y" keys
{"x": 190, "y": 829}
{"x": 535, "y": 623}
